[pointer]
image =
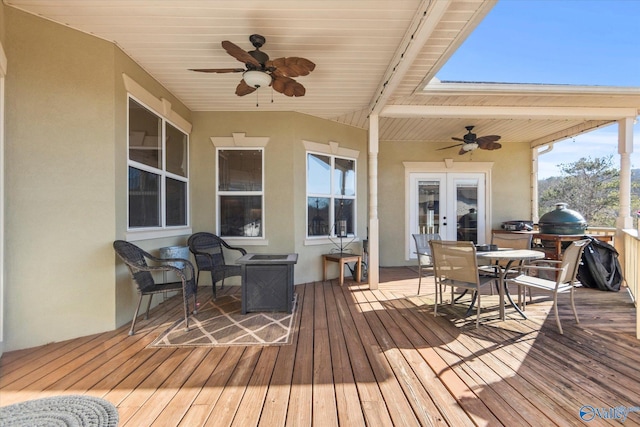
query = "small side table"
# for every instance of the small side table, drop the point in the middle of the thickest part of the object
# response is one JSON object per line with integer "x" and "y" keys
{"x": 341, "y": 258}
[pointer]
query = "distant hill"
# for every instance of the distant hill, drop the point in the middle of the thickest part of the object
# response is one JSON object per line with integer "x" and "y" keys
{"x": 543, "y": 184}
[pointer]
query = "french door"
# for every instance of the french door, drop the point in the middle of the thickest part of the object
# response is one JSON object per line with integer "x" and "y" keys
{"x": 452, "y": 205}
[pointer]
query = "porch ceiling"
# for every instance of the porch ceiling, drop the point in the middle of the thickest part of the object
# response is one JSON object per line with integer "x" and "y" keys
{"x": 371, "y": 56}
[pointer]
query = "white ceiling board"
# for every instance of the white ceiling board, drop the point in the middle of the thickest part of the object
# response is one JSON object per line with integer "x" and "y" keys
{"x": 356, "y": 45}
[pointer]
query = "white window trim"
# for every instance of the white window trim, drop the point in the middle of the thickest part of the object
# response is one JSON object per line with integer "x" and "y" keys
{"x": 147, "y": 233}
{"x": 332, "y": 149}
{"x": 240, "y": 141}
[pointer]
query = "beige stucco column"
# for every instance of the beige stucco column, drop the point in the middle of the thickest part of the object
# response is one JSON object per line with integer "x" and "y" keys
{"x": 3, "y": 73}
{"x": 625, "y": 148}
{"x": 374, "y": 252}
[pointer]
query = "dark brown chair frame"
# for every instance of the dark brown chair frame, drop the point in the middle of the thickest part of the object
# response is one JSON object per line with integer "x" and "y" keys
{"x": 138, "y": 260}
{"x": 208, "y": 250}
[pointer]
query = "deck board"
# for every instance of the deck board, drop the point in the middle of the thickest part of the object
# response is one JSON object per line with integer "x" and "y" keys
{"x": 359, "y": 357}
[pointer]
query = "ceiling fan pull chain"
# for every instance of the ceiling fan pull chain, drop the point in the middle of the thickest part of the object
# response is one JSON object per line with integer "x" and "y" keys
{"x": 257, "y": 98}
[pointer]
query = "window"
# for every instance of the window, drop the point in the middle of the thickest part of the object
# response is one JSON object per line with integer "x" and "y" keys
{"x": 331, "y": 195}
{"x": 158, "y": 171}
{"x": 240, "y": 192}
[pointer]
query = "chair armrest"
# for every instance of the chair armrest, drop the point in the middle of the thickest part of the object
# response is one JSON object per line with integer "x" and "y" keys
{"x": 526, "y": 268}
{"x": 165, "y": 266}
{"x": 234, "y": 248}
{"x": 187, "y": 265}
{"x": 545, "y": 261}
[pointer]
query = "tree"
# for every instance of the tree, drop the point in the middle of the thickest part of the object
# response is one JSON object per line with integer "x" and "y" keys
{"x": 588, "y": 186}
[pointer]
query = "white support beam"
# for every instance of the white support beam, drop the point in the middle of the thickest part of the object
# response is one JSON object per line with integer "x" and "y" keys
{"x": 573, "y": 131}
{"x": 625, "y": 148}
{"x": 512, "y": 112}
{"x": 374, "y": 239}
{"x": 427, "y": 17}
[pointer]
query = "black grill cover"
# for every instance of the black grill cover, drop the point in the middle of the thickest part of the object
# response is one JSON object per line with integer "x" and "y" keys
{"x": 600, "y": 267}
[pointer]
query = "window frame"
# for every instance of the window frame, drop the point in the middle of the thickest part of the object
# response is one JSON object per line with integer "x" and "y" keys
{"x": 332, "y": 196}
{"x": 240, "y": 193}
{"x": 163, "y": 230}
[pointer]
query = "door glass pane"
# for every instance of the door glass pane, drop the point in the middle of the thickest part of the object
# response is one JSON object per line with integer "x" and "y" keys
{"x": 428, "y": 207}
{"x": 144, "y": 198}
{"x": 467, "y": 211}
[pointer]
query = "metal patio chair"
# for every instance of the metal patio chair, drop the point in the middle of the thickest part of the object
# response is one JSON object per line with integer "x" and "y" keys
{"x": 423, "y": 250}
{"x": 566, "y": 270}
{"x": 455, "y": 264}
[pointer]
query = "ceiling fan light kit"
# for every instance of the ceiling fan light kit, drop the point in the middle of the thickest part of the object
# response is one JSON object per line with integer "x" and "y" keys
{"x": 470, "y": 146}
{"x": 256, "y": 79}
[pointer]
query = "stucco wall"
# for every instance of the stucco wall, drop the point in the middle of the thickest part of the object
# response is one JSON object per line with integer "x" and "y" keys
{"x": 59, "y": 183}
{"x": 285, "y": 177}
{"x": 2, "y": 23}
{"x": 66, "y": 182}
{"x": 510, "y": 175}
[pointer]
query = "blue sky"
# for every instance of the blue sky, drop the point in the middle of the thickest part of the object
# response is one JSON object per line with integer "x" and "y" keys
{"x": 579, "y": 42}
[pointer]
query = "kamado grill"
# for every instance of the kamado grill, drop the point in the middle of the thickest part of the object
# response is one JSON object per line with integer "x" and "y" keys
{"x": 555, "y": 225}
{"x": 562, "y": 221}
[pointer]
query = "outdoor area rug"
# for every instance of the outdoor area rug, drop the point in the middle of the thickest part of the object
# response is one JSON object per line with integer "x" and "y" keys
{"x": 68, "y": 411}
{"x": 221, "y": 323}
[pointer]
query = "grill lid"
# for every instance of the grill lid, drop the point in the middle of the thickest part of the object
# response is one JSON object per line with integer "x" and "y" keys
{"x": 562, "y": 221}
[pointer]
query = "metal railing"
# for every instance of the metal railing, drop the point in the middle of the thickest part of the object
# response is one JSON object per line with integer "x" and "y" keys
{"x": 631, "y": 270}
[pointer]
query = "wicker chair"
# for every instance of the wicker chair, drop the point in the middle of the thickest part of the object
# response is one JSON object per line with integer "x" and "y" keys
{"x": 136, "y": 259}
{"x": 208, "y": 250}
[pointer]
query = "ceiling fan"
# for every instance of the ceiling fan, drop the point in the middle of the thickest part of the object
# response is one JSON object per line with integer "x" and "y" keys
{"x": 260, "y": 71}
{"x": 470, "y": 142}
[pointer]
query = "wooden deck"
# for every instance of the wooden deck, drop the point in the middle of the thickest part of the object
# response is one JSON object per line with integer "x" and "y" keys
{"x": 360, "y": 357}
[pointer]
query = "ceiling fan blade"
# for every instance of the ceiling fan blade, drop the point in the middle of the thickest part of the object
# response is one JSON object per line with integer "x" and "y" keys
{"x": 244, "y": 89}
{"x": 488, "y": 142}
{"x": 488, "y": 138}
{"x": 218, "y": 70}
{"x": 240, "y": 54}
{"x": 490, "y": 146}
{"x": 451, "y": 146}
{"x": 457, "y": 139}
{"x": 287, "y": 86}
{"x": 292, "y": 66}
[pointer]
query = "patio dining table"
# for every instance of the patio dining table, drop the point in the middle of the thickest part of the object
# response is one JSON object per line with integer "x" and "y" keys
{"x": 510, "y": 256}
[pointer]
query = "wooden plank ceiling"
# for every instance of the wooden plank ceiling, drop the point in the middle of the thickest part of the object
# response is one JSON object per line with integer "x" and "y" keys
{"x": 368, "y": 55}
